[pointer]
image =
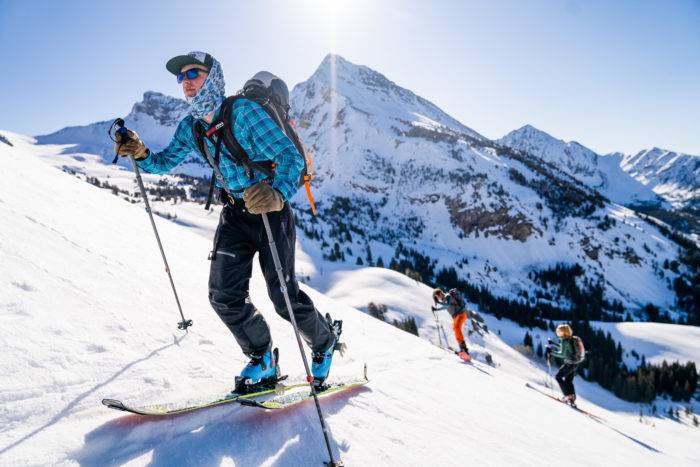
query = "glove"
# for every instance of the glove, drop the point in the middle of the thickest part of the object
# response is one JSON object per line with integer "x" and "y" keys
{"x": 131, "y": 146}
{"x": 433, "y": 308}
{"x": 262, "y": 198}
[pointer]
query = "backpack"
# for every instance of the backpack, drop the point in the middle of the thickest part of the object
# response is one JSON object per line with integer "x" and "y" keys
{"x": 579, "y": 349}
{"x": 272, "y": 94}
{"x": 457, "y": 297}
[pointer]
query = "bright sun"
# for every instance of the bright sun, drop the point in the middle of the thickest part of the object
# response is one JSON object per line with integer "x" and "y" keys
{"x": 332, "y": 15}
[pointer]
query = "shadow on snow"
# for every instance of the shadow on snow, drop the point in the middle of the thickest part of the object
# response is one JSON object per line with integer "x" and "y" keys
{"x": 247, "y": 435}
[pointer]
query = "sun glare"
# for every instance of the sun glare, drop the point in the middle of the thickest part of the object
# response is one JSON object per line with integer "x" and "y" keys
{"x": 330, "y": 15}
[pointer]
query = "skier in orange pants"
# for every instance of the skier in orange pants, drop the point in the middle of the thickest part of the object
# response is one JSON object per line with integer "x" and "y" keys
{"x": 455, "y": 306}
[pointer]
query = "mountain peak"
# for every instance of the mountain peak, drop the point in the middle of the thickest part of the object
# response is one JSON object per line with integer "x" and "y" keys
{"x": 571, "y": 157}
{"x": 166, "y": 110}
{"x": 370, "y": 93}
{"x": 530, "y": 131}
{"x": 336, "y": 68}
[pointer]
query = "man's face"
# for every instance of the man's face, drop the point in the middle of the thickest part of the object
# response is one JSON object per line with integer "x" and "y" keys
{"x": 190, "y": 87}
{"x": 440, "y": 296}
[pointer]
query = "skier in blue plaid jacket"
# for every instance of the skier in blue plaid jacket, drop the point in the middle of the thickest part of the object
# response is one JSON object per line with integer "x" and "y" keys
{"x": 240, "y": 233}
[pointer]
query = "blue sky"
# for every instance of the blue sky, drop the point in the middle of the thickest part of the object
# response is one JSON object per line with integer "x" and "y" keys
{"x": 621, "y": 75}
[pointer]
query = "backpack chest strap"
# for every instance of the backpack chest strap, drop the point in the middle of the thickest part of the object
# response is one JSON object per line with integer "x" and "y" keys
{"x": 222, "y": 129}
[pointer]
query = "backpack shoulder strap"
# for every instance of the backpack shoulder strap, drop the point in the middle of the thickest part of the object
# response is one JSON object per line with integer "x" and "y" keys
{"x": 199, "y": 135}
{"x": 457, "y": 297}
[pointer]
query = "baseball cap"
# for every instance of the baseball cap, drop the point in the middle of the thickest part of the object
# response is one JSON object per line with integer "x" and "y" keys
{"x": 175, "y": 64}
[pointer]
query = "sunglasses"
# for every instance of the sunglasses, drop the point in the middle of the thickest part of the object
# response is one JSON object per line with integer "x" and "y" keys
{"x": 192, "y": 73}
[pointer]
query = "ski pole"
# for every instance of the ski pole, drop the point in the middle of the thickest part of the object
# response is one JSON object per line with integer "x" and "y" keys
{"x": 288, "y": 303}
{"x": 122, "y": 130}
{"x": 437, "y": 327}
{"x": 444, "y": 335}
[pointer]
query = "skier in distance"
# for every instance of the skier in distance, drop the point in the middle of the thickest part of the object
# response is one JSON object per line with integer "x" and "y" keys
{"x": 456, "y": 307}
{"x": 571, "y": 353}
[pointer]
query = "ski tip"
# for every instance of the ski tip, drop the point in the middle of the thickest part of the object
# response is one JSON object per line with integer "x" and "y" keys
{"x": 113, "y": 404}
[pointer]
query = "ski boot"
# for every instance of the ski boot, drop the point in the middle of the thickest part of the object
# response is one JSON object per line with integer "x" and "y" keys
{"x": 569, "y": 399}
{"x": 464, "y": 352}
{"x": 321, "y": 361}
{"x": 261, "y": 373}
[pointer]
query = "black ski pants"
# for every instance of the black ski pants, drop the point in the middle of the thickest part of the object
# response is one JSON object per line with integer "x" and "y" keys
{"x": 565, "y": 378}
{"x": 238, "y": 237}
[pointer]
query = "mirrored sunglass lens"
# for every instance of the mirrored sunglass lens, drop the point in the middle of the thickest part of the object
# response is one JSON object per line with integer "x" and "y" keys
{"x": 192, "y": 73}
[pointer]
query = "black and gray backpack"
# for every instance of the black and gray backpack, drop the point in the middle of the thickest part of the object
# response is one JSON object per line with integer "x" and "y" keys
{"x": 457, "y": 297}
{"x": 579, "y": 350}
{"x": 273, "y": 95}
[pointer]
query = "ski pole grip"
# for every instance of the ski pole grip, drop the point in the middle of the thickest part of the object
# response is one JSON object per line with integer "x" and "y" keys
{"x": 123, "y": 133}
{"x": 122, "y": 129}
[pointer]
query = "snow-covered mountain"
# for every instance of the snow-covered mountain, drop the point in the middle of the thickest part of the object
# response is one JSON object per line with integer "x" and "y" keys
{"x": 398, "y": 179}
{"x": 88, "y": 313}
{"x": 390, "y": 170}
{"x": 648, "y": 177}
{"x": 672, "y": 175}
{"x": 569, "y": 156}
{"x": 601, "y": 173}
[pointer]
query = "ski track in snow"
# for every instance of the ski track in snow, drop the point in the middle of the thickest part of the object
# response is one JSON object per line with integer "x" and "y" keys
{"x": 88, "y": 313}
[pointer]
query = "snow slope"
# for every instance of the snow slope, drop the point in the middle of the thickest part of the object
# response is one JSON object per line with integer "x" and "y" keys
{"x": 88, "y": 313}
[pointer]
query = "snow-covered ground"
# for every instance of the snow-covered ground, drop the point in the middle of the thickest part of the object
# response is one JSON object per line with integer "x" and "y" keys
{"x": 88, "y": 313}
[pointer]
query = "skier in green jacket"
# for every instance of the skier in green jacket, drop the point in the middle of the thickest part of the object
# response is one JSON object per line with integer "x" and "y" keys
{"x": 566, "y": 352}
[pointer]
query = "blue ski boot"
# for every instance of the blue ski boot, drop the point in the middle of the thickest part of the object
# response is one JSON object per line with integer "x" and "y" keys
{"x": 321, "y": 361}
{"x": 262, "y": 372}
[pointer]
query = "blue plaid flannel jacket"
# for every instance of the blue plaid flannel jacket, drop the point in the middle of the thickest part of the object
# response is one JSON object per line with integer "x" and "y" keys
{"x": 257, "y": 134}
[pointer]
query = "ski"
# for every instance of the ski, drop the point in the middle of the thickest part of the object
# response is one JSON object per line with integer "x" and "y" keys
{"x": 473, "y": 363}
{"x": 574, "y": 407}
{"x": 167, "y": 409}
{"x": 301, "y": 393}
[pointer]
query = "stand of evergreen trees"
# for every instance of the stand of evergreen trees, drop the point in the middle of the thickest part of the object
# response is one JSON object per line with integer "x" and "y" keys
{"x": 379, "y": 311}
{"x": 587, "y": 302}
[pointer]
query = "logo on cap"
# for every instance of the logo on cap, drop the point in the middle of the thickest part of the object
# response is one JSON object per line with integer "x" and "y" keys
{"x": 201, "y": 56}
